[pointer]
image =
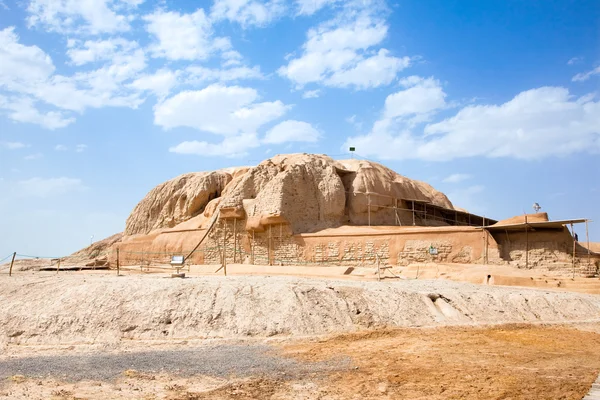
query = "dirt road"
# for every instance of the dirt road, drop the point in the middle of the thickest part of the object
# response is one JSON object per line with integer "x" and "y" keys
{"x": 502, "y": 362}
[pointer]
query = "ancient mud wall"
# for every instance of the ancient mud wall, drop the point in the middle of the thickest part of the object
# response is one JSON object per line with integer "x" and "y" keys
{"x": 398, "y": 246}
{"x": 352, "y": 246}
{"x": 550, "y": 249}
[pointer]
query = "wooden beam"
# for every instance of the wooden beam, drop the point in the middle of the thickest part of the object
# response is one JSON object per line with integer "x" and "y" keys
{"x": 235, "y": 240}
{"x": 11, "y": 263}
{"x": 369, "y": 207}
{"x": 526, "y": 244}
{"x": 587, "y": 238}
{"x": 269, "y": 255}
{"x": 574, "y": 249}
{"x": 225, "y": 247}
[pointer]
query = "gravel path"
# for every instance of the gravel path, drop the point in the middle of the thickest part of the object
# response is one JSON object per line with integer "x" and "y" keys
{"x": 217, "y": 361}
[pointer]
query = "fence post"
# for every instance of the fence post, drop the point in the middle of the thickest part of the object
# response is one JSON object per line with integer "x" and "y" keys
{"x": 11, "y": 263}
{"x": 58, "y": 265}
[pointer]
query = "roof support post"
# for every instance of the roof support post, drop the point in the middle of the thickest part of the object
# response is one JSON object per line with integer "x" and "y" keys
{"x": 526, "y": 244}
{"x": 574, "y": 249}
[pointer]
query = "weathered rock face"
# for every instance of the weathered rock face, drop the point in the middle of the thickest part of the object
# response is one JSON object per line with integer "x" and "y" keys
{"x": 305, "y": 190}
{"x": 176, "y": 201}
{"x": 308, "y": 191}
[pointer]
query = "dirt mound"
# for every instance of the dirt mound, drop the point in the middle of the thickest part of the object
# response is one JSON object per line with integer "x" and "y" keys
{"x": 308, "y": 191}
{"x": 176, "y": 200}
{"x": 71, "y": 308}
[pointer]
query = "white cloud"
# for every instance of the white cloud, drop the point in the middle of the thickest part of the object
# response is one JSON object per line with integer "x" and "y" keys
{"x": 80, "y": 148}
{"x": 160, "y": 83}
{"x": 197, "y": 75}
{"x": 35, "y": 156}
{"x": 23, "y": 110}
{"x": 227, "y": 110}
{"x": 337, "y": 53}
{"x": 292, "y": 131}
{"x": 584, "y": 76}
{"x": 60, "y": 147}
{"x": 248, "y": 12}
{"x": 309, "y": 7}
{"x": 456, "y": 178}
{"x": 537, "y": 123}
{"x": 78, "y": 16}
{"x": 574, "y": 60}
{"x": 183, "y": 36}
{"x": 21, "y": 65}
{"x": 40, "y": 187}
{"x": 99, "y": 50}
{"x": 311, "y": 94}
{"x": 422, "y": 96}
{"x": 353, "y": 121}
{"x": 13, "y": 145}
{"x": 27, "y": 73}
{"x": 378, "y": 70}
{"x": 232, "y": 146}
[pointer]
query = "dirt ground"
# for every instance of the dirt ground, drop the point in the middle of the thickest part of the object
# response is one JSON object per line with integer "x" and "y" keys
{"x": 501, "y": 362}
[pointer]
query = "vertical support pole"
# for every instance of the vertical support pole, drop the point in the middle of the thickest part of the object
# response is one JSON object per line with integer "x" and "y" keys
{"x": 369, "y": 207}
{"x": 118, "y": 265}
{"x": 469, "y": 219}
{"x": 526, "y": 244}
{"x": 235, "y": 240}
{"x": 224, "y": 244}
{"x": 11, "y": 263}
{"x": 456, "y": 218}
{"x": 281, "y": 240}
{"x": 587, "y": 238}
{"x": 574, "y": 249}
{"x": 413, "y": 212}
{"x": 269, "y": 254}
{"x": 487, "y": 241}
{"x": 252, "y": 249}
{"x": 58, "y": 265}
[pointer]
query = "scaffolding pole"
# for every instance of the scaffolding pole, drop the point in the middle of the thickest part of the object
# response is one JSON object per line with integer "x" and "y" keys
{"x": 369, "y": 207}
{"x": 587, "y": 239}
{"x": 235, "y": 241}
{"x": 574, "y": 248}
{"x": 526, "y": 244}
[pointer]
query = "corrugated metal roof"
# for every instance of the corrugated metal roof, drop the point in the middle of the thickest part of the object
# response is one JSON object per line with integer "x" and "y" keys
{"x": 540, "y": 224}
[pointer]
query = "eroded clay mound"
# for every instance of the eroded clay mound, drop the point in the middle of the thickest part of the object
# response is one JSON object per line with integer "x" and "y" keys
{"x": 304, "y": 189}
{"x": 176, "y": 201}
{"x": 75, "y": 308}
{"x": 308, "y": 191}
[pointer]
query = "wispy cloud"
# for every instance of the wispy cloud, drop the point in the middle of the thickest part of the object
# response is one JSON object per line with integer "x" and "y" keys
{"x": 584, "y": 76}
{"x": 13, "y": 145}
{"x": 455, "y": 178}
{"x": 34, "y": 156}
{"x": 47, "y": 187}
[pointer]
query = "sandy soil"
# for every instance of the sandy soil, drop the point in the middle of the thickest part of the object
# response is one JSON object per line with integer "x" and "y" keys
{"x": 72, "y": 308}
{"x": 501, "y": 362}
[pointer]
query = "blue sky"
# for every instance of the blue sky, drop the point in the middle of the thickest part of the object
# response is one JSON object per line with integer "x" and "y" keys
{"x": 495, "y": 103}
